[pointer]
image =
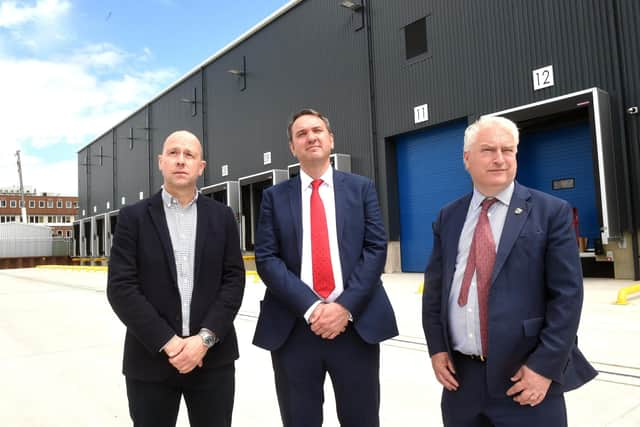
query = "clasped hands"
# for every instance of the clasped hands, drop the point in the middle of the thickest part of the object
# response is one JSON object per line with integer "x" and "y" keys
{"x": 185, "y": 353}
{"x": 529, "y": 388}
{"x": 328, "y": 320}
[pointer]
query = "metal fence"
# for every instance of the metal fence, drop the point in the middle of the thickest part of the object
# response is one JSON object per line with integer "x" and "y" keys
{"x": 25, "y": 240}
{"x": 62, "y": 246}
{"x": 31, "y": 247}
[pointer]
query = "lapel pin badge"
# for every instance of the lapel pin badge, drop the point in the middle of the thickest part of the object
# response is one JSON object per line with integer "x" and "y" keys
{"x": 518, "y": 211}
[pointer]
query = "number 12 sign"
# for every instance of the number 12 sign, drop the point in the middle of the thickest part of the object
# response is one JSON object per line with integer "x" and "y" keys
{"x": 543, "y": 77}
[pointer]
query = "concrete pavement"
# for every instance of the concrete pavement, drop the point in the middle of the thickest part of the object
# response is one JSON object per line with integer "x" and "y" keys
{"x": 62, "y": 347}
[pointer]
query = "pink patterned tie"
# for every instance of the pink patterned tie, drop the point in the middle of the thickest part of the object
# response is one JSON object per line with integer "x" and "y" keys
{"x": 323, "y": 281}
{"x": 482, "y": 257}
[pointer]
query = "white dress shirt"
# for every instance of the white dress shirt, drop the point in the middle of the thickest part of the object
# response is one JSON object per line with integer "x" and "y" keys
{"x": 464, "y": 321}
{"x": 182, "y": 223}
{"x": 327, "y": 195}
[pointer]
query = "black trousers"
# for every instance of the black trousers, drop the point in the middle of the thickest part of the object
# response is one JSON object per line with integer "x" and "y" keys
{"x": 300, "y": 368}
{"x": 208, "y": 394}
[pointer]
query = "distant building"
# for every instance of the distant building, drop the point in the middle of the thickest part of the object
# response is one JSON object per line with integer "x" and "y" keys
{"x": 50, "y": 209}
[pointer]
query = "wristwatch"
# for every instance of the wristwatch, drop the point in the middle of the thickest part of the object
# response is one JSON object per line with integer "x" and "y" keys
{"x": 209, "y": 339}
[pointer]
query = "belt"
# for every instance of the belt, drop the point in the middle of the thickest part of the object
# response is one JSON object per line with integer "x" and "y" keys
{"x": 473, "y": 357}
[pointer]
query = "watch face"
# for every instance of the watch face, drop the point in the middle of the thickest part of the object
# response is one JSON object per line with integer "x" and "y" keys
{"x": 208, "y": 341}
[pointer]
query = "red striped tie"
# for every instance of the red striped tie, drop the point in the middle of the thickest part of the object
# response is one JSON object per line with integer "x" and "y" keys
{"x": 482, "y": 257}
{"x": 323, "y": 281}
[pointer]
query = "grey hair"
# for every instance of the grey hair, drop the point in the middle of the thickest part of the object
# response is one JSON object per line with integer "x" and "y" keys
{"x": 471, "y": 133}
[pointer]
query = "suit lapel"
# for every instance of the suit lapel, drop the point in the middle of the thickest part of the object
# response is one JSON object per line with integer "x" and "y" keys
{"x": 295, "y": 204}
{"x": 201, "y": 227}
{"x": 340, "y": 196}
{"x": 340, "y": 200}
{"x": 159, "y": 220}
{"x": 517, "y": 215}
{"x": 451, "y": 237}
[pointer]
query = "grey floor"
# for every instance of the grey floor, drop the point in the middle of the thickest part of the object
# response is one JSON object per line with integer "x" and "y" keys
{"x": 61, "y": 352}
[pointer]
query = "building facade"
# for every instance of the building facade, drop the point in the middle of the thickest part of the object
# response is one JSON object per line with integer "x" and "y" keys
{"x": 55, "y": 211}
{"x": 400, "y": 81}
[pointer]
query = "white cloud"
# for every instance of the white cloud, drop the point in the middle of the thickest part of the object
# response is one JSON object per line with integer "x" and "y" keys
{"x": 65, "y": 102}
{"x": 52, "y": 177}
{"x": 48, "y": 97}
{"x": 146, "y": 54}
{"x": 46, "y": 102}
{"x": 102, "y": 55}
{"x": 14, "y": 14}
{"x": 39, "y": 26}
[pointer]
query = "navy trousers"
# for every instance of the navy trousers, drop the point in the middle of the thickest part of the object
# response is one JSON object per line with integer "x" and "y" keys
{"x": 300, "y": 367}
{"x": 471, "y": 405}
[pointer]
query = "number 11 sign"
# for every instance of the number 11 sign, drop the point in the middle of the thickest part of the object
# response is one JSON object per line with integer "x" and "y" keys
{"x": 543, "y": 77}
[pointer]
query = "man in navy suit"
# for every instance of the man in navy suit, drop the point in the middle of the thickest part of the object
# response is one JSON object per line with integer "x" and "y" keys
{"x": 176, "y": 280}
{"x": 503, "y": 294}
{"x": 324, "y": 310}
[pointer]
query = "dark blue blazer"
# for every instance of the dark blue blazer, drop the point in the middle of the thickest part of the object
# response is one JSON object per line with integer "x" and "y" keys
{"x": 363, "y": 249}
{"x": 142, "y": 286}
{"x": 536, "y": 291}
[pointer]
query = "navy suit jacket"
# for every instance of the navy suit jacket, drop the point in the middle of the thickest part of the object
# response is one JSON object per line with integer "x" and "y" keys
{"x": 363, "y": 249}
{"x": 536, "y": 291}
{"x": 143, "y": 291}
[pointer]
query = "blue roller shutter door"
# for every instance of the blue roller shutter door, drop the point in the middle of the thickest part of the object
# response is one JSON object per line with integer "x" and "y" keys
{"x": 430, "y": 174}
{"x": 563, "y": 153}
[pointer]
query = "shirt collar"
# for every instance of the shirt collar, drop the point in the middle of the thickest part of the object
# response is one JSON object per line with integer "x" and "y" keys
{"x": 327, "y": 178}
{"x": 503, "y": 197}
{"x": 170, "y": 201}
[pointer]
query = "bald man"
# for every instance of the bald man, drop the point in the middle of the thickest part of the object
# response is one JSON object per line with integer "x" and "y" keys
{"x": 176, "y": 280}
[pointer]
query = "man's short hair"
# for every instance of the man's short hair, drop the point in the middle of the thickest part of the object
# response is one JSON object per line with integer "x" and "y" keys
{"x": 471, "y": 133}
{"x": 306, "y": 112}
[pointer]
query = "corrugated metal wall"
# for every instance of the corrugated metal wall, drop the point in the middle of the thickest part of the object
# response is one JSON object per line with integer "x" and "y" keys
{"x": 25, "y": 240}
{"x": 309, "y": 57}
{"x": 480, "y": 60}
{"x": 481, "y": 57}
{"x": 84, "y": 184}
{"x": 327, "y": 69}
{"x": 628, "y": 32}
{"x": 132, "y": 160}
{"x": 175, "y": 111}
{"x": 101, "y": 167}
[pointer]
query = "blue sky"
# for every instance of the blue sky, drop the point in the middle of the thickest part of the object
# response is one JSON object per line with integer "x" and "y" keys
{"x": 71, "y": 69}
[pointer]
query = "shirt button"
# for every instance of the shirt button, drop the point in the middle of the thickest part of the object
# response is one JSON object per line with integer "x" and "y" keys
{"x": 470, "y": 335}
{"x": 469, "y": 310}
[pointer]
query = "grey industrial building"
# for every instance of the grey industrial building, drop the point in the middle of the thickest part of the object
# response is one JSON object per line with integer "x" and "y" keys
{"x": 400, "y": 80}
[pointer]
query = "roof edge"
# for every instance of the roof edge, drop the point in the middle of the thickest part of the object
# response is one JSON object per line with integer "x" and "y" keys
{"x": 237, "y": 41}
